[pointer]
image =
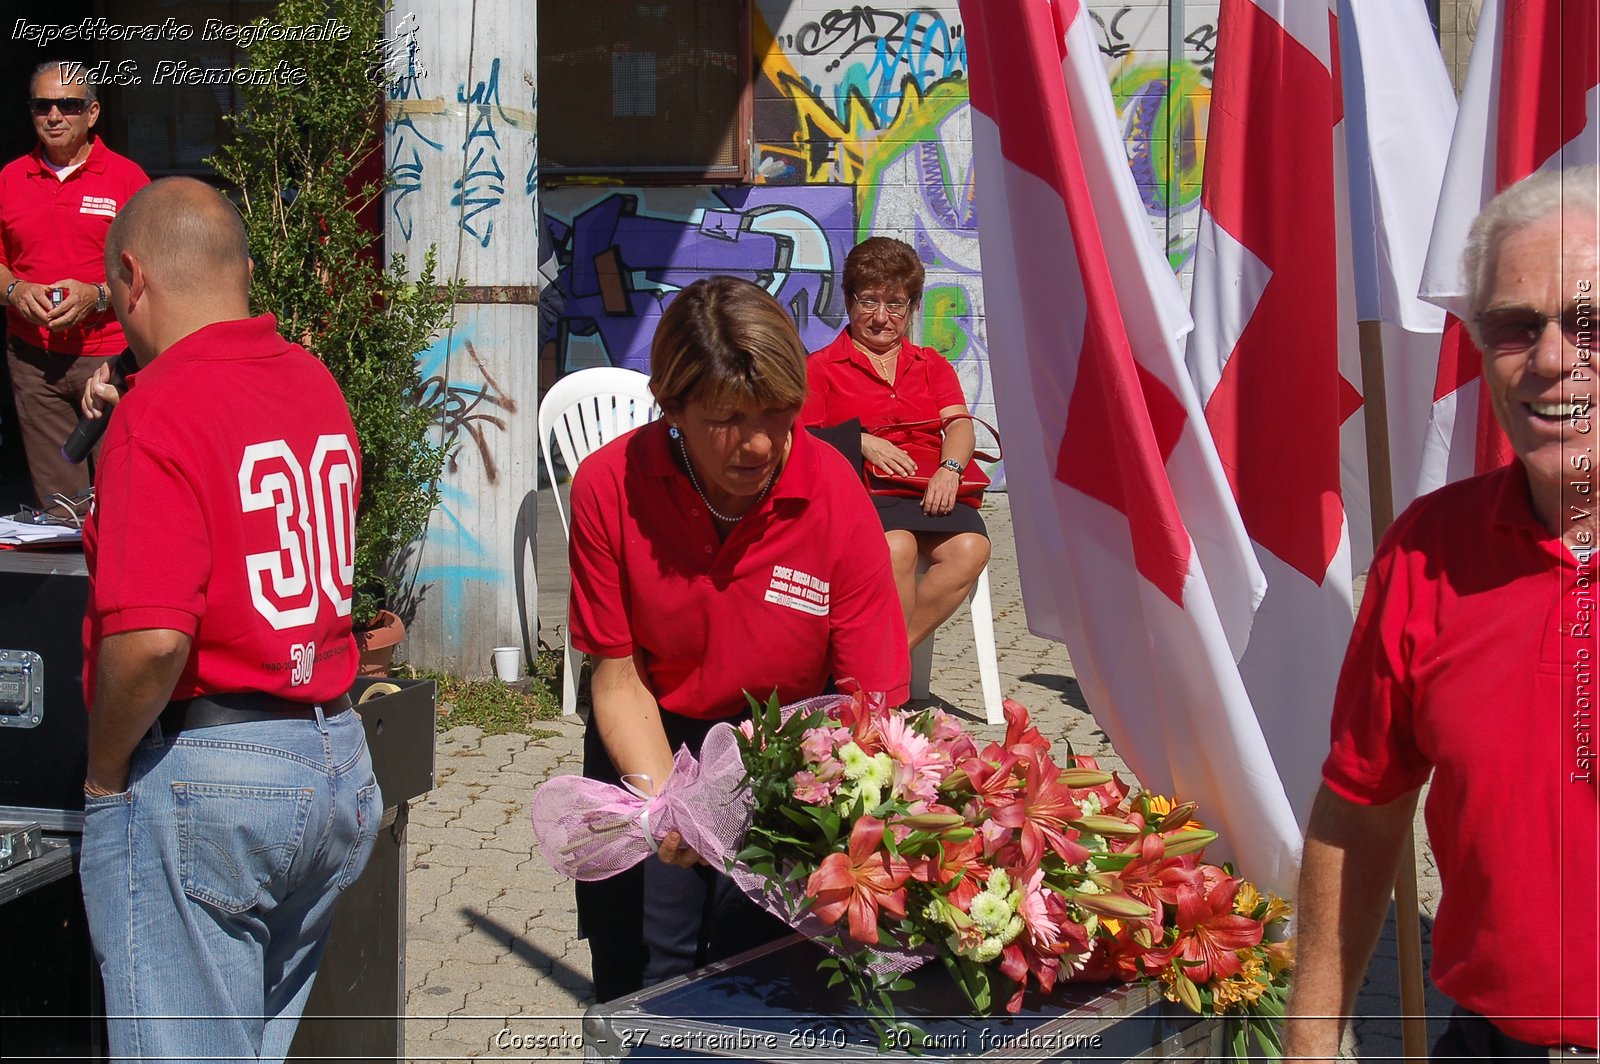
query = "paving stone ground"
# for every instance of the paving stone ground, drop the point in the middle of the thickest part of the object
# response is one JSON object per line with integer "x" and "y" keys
{"x": 495, "y": 970}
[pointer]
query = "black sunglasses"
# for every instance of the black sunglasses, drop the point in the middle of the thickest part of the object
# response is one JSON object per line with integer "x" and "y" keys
{"x": 1513, "y": 330}
{"x": 68, "y": 105}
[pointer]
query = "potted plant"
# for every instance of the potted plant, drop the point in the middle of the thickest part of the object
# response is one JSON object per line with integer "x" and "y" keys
{"x": 306, "y": 162}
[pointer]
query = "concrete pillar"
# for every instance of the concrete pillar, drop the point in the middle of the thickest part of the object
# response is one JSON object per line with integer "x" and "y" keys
{"x": 462, "y": 143}
{"x": 1458, "y": 28}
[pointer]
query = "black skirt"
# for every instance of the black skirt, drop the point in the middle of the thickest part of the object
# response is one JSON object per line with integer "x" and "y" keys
{"x": 900, "y": 514}
{"x": 906, "y": 515}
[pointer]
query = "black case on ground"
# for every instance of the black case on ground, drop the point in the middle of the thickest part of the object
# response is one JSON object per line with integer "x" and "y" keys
{"x": 771, "y": 1004}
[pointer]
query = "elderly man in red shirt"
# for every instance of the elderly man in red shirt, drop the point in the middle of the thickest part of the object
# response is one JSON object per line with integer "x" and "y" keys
{"x": 56, "y": 204}
{"x": 1474, "y": 662}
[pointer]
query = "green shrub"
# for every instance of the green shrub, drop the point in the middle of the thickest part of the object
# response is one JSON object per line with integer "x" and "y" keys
{"x": 294, "y": 161}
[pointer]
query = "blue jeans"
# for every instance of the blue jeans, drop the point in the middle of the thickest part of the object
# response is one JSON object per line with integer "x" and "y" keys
{"x": 210, "y": 882}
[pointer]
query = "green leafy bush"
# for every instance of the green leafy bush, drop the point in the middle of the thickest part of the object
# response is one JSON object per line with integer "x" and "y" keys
{"x": 296, "y": 161}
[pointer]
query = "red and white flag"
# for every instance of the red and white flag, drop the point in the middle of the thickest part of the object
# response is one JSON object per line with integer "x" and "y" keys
{"x": 1128, "y": 544}
{"x": 1274, "y": 353}
{"x": 1531, "y": 101}
{"x": 1399, "y": 111}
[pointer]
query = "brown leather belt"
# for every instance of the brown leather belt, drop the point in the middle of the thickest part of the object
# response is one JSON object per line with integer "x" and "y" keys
{"x": 211, "y": 711}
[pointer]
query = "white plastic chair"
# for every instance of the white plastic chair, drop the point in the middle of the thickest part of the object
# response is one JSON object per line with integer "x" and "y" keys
{"x": 982, "y": 612}
{"x": 584, "y": 410}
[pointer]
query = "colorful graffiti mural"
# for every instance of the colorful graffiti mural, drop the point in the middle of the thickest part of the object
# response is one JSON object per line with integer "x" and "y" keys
{"x": 1164, "y": 101}
{"x": 869, "y": 53}
{"x": 1164, "y": 108}
{"x": 622, "y": 253}
{"x": 861, "y": 127}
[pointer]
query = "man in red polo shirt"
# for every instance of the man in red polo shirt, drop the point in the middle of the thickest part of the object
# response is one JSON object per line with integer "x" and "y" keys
{"x": 229, "y": 797}
{"x": 56, "y": 204}
{"x": 1474, "y": 661}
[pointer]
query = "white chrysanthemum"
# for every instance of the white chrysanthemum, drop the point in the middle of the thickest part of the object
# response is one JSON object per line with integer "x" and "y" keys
{"x": 990, "y": 913}
{"x": 856, "y": 761}
{"x": 880, "y": 771}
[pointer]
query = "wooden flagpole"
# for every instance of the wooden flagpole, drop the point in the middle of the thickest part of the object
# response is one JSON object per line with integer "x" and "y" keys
{"x": 1408, "y": 925}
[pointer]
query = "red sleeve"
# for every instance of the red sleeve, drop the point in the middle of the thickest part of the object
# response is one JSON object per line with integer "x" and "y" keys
{"x": 143, "y": 497}
{"x": 597, "y": 613}
{"x": 1373, "y": 756}
{"x": 815, "y": 413}
{"x": 943, "y": 382}
{"x": 867, "y": 633}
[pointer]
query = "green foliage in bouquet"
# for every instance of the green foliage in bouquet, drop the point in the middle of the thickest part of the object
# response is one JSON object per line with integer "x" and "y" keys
{"x": 906, "y": 841}
{"x": 298, "y": 149}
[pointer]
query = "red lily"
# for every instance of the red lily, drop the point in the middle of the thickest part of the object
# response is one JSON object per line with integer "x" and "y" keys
{"x": 1111, "y": 794}
{"x": 1042, "y": 812}
{"x": 1209, "y": 933}
{"x": 1156, "y": 879}
{"x": 991, "y": 779}
{"x": 860, "y": 882}
{"x": 863, "y": 714}
{"x": 1114, "y": 958}
{"x": 1022, "y": 738}
{"x": 962, "y": 861}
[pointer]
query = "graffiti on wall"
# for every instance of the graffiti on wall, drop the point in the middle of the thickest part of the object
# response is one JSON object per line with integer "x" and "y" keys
{"x": 410, "y": 149}
{"x": 1163, "y": 101}
{"x": 478, "y": 185}
{"x": 482, "y": 184}
{"x": 459, "y": 553}
{"x": 837, "y": 104}
{"x": 918, "y": 186}
{"x": 466, "y": 409}
{"x": 1164, "y": 108}
{"x": 868, "y": 53}
{"x": 622, "y": 253}
{"x": 862, "y": 127}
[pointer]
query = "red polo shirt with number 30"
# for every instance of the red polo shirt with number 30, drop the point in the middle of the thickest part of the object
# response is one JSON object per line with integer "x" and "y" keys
{"x": 800, "y": 590}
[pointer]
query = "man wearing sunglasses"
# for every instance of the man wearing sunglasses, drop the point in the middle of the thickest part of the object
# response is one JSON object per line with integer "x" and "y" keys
{"x": 1475, "y": 663}
{"x": 56, "y": 204}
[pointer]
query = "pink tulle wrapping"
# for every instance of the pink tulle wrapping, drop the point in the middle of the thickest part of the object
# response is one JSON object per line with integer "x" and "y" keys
{"x": 590, "y": 830}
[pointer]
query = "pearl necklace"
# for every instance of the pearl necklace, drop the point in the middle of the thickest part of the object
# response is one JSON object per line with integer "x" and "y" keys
{"x": 683, "y": 449}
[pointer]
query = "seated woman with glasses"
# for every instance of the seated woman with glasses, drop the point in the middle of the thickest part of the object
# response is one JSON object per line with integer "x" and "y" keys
{"x": 872, "y": 374}
{"x": 717, "y": 551}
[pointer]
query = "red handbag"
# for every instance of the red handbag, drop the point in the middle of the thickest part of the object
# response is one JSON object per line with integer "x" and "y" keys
{"x": 925, "y": 453}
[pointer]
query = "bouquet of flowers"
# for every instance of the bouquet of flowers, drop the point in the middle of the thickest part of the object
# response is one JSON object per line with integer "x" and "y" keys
{"x": 891, "y": 838}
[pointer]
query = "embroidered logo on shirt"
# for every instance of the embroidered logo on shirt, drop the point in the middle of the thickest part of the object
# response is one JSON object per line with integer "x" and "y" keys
{"x": 101, "y": 205}
{"x": 798, "y": 591}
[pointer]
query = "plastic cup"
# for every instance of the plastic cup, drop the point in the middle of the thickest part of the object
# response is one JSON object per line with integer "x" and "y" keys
{"x": 508, "y": 663}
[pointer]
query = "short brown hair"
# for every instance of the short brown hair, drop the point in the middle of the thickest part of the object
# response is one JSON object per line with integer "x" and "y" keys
{"x": 884, "y": 262}
{"x": 726, "y": 342}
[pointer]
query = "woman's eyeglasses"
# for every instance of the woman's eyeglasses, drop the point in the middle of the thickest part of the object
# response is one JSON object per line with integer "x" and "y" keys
{"x": 1513, "y": 330}
{"x": 896, "y": 308}
{"x": 68, "y": 105}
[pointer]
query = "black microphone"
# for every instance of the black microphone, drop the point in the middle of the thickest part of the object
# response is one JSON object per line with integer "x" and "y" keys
{"x": 83, "y": 437}
{"x": 88, "y": 431}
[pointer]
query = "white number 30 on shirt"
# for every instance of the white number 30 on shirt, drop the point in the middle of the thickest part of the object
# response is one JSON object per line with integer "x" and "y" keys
{"x": 316, "y": 522}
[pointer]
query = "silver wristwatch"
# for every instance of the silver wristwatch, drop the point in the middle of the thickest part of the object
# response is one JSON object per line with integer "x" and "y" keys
{"x": 101, "y": 302}
{"x": 952, "y": 465}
